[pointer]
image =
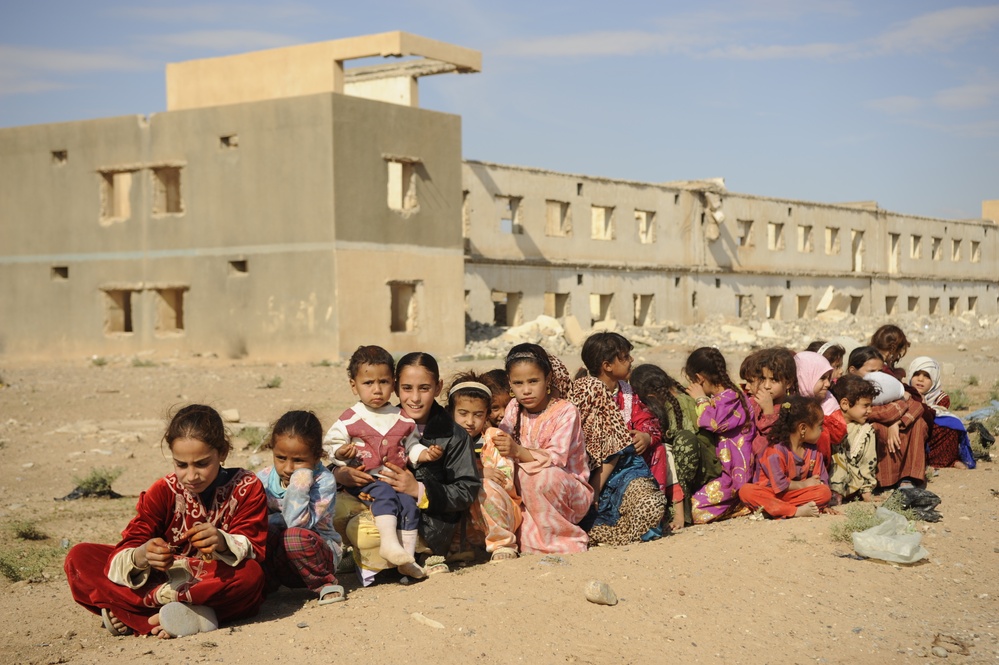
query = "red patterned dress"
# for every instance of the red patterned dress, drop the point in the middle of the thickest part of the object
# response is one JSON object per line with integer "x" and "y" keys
{"x": 232, "y": 582}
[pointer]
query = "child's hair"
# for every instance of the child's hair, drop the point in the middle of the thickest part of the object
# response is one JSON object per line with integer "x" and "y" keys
{"x": 751, "y": 368}
{"x": 795, "y": 410}
{"x": 831, "y": 351}
{"x": 852, "y": 388}
{"x": 603, "y": 347}
{"x": 527, "y": 353}
{"x": 468, "y": 384}
{"x": 655, "y": 388}
{"x": 531, "y": 353}
{"x": 780, "y": 361}
{"x": 860, "y": 355}
{"x": 418, "y": 359}
{"x": 710, "y": 363}
{"x": 497, "y": 380}
{"x": 197, "y": 421}
{"x": 369, "y": 355}
{"x": 299, "y": 424}
{"x": 890, "y": 338}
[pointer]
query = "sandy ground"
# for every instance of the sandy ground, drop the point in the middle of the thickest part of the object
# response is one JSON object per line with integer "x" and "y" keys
{"x": 738, "y": 592}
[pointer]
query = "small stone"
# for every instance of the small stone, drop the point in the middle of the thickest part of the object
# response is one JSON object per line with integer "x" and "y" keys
{"x": 302, "y": 624}
{"x": 419, "y": 618}
{"x": 939, "y": 652}
{"x": 599, "y": 593}
{"x": 230, "y": 415}
{"x": 64, "y": 543}
{"x": 961, "y": 347}
{"x": 27, "y": 465}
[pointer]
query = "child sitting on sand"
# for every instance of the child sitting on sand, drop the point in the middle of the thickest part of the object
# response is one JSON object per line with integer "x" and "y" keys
{"x": 855, "y": 456}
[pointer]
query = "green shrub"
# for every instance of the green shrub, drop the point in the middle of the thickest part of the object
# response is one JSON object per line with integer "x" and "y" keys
{"x": 25, "y": 530}
{"x": 98, "y": 481}
{"x": 973, "y": 380}
{"x": 254, "y": 437}
{"x": 98, "y": 361}
{"x": 959, "y": 400}
{"x": 139, "y": 362}
{"x": 273, "y": 382}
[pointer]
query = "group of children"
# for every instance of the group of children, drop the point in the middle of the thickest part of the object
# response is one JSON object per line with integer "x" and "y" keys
{"x": 527, "y": 457}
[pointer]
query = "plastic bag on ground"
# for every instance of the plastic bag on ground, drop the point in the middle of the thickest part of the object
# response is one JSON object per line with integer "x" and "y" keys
{"x": 890, "y": 540}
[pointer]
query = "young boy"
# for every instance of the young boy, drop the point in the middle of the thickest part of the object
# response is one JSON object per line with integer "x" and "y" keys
{"x": 855, "y": 456}
{"x": 607, "y": 357}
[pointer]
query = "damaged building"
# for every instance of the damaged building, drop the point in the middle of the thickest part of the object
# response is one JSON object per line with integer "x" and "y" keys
{"x": 286, "y": 206}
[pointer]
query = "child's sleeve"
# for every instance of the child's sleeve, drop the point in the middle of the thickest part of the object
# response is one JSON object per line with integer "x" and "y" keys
{"x": 413, "y": 446}
{"x": 299, "y": 509}
{"x": 642, "y": 420}
{"x": 335, "y": 439}
{"x": 773, "y": 469}
{"x": 246, "y": 537}
{"x": 723, "y": 413}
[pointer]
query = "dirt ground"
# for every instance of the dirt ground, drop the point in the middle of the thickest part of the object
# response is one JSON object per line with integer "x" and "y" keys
{"x": 742, "y": 591}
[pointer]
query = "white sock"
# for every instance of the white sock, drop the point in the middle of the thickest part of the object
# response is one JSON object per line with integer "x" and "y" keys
{"x": 391, "y": 549}
{"x": 408, "y": 540}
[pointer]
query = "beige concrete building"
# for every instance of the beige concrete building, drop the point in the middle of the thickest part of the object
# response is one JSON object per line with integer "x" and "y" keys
{"x": 559, "y": 244}
{"x": 285, "y": 206}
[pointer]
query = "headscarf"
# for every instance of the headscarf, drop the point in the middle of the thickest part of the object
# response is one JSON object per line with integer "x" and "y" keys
{"x": 811, "y": 366}
{"x": 560, "y": 377}
{"x": 603, "y": 428}
{"x": 931, "y": 367}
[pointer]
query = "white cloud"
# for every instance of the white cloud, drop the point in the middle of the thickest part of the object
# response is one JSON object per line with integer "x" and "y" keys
{"x": 27, "y": 69}
{"x": 631, "y": 42}
{"x": 216, "y": 12}
{"x": 937, "y": 31}
{"x": 226, "y": 41}
{"x": 971, "y": 96}
{"x": 898, "y": 105}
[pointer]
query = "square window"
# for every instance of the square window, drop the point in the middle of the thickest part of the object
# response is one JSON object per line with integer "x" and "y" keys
{"x": 118, "y": 311}
{"x": 116, "y": 196}
{"x": 600, "y": 307}
{"x": 644, "y": 315}
{"x": 934, "y": 306}
{"x": 229, "y": 141}
{"x": 894, "y": 241}
{"x": 402, "y": 195}
{"x": 804, "y": 302}
{"x": 972, "y": 303}
{"x": 556, "y": 305}
{"x": 953, "y": 303}
{"x": 890, "y": 304}
{"x": 916, "y": 247}
{"x": 509, "y": 214}
{"x": 60, "y": 157}
{"x": 170, "y": 310}
{"x": 238, "y": 267}
{"x": 646, "y": 220}
{"x": 832, "y": 240}
{"x": 913, "y": 304}
{"x": 403, "y": 304}
{"x": 558, "y": 224}
{"x": 855, "y": 302}
{"x": 59, "y": 273}
{"x": 602, "y": 223}
{"x": 745, "y": 232}
{"x": 774, "y": 307}
{"x": 745, "y": 307}
{"x": 166, "y": 191}
{"x": 804, "y": 238}
{"x": 775, "y": 236}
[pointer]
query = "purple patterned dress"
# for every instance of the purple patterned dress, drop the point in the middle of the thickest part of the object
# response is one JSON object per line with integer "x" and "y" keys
{"x": 726, "y": 417}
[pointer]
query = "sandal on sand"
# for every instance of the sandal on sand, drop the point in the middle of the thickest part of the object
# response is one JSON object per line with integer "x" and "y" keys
{"x": 180, "y": 620}
{"x": 504, "y": 554}
{"x": 435, "y": 565}
{"x": 109, "y": 624}
{"x": 327, "y": 597}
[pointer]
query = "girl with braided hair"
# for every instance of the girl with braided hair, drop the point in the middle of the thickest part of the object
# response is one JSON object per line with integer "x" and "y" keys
{"x": 791, "y": 478}
{"x": 723, "y": 410}
{"x": 542, "y": 435}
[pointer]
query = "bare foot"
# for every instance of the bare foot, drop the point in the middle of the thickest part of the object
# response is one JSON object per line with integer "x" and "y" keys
{"x": 959, "y": 465}
{"x": 157, "y": 629}
{"x": 836, "y": 500}
{"x": 867, "y": 497}
{"x": 115, "y": 625}
{"x": 807, "y": 510}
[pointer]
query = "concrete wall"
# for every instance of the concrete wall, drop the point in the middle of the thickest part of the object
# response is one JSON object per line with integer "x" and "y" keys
{"x": 767, "y": 258}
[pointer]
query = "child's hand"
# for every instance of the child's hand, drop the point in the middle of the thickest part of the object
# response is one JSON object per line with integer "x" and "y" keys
{"x": 156, "y": 553}
{"x": 695, "y": 390}
{"x": 495, "y": 475}
{"x": 676, "y": 523}
{"x": 346, "y": 452}
{"x": 811, "y": 482}
{"x": 431, "y": 454}
{"x": 765, "y": 400}
{"x": 641, "y": 441}
{"x": 505, "y": 444}
{"x": 893, "y": 441}
{"x": 206, "y": 538}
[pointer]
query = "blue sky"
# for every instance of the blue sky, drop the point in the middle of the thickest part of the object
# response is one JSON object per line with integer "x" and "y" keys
{"x": 824, "y": 100}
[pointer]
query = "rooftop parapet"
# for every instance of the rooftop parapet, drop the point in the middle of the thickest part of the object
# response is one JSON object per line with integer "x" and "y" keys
{"x": 315, "y": 68}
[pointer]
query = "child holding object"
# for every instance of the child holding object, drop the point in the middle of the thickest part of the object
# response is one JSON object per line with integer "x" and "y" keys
{"x": 372, "y": 433}
{"x": 190, "y": 558}
{"x": 304, "y": 548}
{"x": 791, "y": 479}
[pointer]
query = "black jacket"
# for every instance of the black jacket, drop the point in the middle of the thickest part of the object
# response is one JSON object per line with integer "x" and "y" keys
{"x": 452, "y": 483}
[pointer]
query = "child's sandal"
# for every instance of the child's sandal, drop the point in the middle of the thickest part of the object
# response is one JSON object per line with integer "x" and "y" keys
{"x": 332, "y": 593}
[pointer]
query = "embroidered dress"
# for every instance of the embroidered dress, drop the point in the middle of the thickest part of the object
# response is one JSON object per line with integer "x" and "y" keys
{"x": 725, "y": 416}
{"x": 554, "y": 488}
{"x": 947, "y": 440}
{"x": 231, "y": 582}
{"x": 771, "y": 488}
{"x": 304, "y": 548}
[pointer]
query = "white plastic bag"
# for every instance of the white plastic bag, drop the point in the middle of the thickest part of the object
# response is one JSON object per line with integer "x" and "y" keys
{"x": 890, "y": 540}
